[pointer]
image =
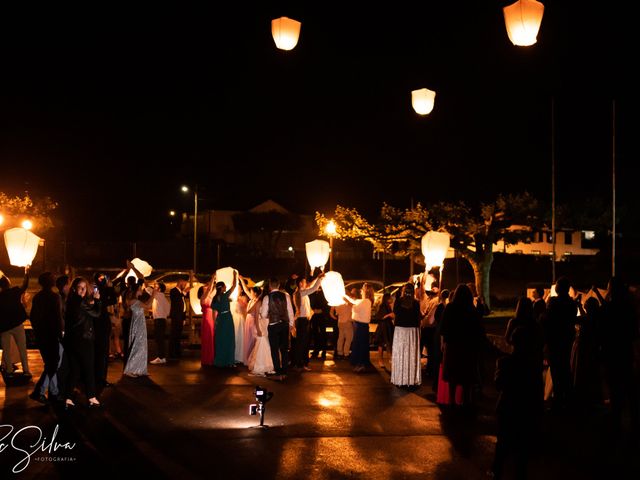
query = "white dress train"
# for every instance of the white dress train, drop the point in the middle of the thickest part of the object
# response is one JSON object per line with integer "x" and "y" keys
{"x": 260, "y": 362}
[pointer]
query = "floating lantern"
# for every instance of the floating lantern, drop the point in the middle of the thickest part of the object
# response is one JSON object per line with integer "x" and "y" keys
{"x": 523, "y": 20}
{"x": 434, "y": 248}
{"x": 285, "y": 32}
{"x": 226, "y": 275}
{"x": 317, "y": 253}
{"x": 423, "y": 100}
{"x": 333, "y": 288}
{"x": 22, "y": 246}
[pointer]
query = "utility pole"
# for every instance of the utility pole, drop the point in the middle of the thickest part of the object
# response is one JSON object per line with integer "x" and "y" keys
{"x": 553, "y": 193}
{"x": 613, "y": 185}
{"x": 195, "y": 229}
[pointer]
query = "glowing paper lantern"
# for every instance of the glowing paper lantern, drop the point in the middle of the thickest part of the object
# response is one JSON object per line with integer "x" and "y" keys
{"x": 226, "y": 275}
{"x": 22, "y": 246}
{"x": 143, "y": 267}
{"x": 333, "y": 288}
{"x": 285, "y": 32}
{"x": 423, "y": 100}
{"x": 193, "y": 298}
{"x": 523, "y": 20}
{"x": 434, "y": 249}
{"x": 317, "y": 253}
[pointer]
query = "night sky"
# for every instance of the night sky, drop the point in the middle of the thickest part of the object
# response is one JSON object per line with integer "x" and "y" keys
{"x": 110, "y": 109}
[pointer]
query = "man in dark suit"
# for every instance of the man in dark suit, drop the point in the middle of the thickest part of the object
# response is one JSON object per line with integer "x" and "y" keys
{"x": 177, "y": 314}
{"x": 47, "y": 324}
{"x": 102, "y": 328}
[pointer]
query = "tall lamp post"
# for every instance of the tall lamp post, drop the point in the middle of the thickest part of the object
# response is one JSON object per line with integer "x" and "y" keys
{"x": 330, "y": 230}
{"x": 185, "y": 189}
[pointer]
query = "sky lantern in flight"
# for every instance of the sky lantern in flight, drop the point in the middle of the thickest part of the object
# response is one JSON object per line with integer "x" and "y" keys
{"x": 286, "y": 32}
{"x": 523, "y": 20}
{"x": 423, "y": 100}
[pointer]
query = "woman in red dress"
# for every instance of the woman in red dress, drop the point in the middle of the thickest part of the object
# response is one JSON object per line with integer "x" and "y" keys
{"x": 208, "y": 321}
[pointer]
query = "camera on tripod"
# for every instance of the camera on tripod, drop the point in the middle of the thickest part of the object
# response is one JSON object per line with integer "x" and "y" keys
{"x": 262, "y": 397}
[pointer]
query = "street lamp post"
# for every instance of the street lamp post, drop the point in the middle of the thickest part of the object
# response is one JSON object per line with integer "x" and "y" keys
{"x": 195, "y": 225}
{"x": 330, "y": 229}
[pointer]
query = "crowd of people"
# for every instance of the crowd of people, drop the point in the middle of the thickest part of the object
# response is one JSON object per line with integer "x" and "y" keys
{"x": 568, "y": 352}
{"x": 576, "y": 354}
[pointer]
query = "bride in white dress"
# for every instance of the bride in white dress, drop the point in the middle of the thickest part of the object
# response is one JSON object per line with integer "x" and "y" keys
{"x": 260, "y": 362}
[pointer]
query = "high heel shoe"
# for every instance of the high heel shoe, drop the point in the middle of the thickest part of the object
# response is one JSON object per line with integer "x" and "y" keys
{"x": 69, "y": 406}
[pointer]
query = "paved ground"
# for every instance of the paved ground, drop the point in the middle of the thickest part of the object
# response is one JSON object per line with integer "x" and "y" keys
{"x": 187, "y": 422}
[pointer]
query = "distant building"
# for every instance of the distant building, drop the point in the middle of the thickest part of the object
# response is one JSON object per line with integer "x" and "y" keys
{"x": 568, "y": 243}
{"x": 268, "y": 227}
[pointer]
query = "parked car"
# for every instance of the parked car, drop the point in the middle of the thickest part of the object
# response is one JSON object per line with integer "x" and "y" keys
{"x": 170, "y": 279}
{"x": 378, "y": 294}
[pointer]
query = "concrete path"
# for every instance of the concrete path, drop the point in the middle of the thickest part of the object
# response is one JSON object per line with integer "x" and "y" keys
{"x": 185, "y": 422}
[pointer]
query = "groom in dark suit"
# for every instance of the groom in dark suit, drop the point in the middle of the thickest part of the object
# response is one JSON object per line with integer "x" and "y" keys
{"x": 177, "y": 314}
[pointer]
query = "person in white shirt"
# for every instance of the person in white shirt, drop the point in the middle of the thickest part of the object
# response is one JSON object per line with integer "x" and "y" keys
{"x": 342, "y": 314}
{"x": 160, "y": 310}
{"x": 276, "y": 307}
{"x": 361, "y": 315}
{"x": 303, "y": 315}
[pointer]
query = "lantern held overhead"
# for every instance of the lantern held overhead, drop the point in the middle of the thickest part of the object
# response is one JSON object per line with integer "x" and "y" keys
{"x": 423, "y": 100}
{"x": 226, "y": 275}
{"x": 285, "y": 32}
{"x": 523, "y": 20}
{"x": 333, "y": 289}
{"x": 317, "y": 253}
{"x": 143, "y": 267}
{"x": 434, "y": 248}
{"x": 193, "y": 298}
{"x": 22, "y": 246}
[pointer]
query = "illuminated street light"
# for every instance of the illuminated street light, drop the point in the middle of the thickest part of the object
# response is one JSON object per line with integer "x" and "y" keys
{"x": 27, "y": 224}
{"x": 172, "y": 213}
{"x": 1, "y": 219}
{"x": 330, "y": 230}
{"x": 185, "y": 188}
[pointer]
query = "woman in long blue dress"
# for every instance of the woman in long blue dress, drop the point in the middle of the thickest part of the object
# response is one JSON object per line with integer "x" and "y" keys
{"x": 224, "y": 329}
